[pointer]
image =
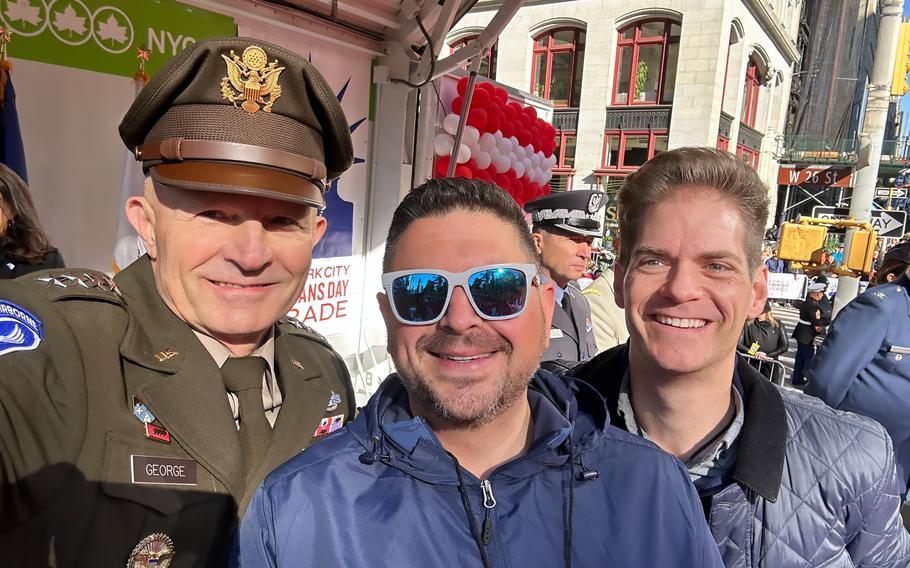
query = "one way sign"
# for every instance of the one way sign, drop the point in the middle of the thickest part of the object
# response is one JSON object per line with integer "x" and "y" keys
{"x": 885, "y": 223}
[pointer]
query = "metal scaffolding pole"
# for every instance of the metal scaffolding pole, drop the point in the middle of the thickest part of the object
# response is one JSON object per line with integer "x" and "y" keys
{"x": 870, "y": 140}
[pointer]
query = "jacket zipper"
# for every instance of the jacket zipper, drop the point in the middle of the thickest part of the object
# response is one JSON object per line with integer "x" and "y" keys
{"x": 489, "y": 501}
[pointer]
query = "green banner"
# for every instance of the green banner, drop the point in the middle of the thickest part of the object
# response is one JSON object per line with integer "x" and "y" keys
{"x": 103, "y": 35}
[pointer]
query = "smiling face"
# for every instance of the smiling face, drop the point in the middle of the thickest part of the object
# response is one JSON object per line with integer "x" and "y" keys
{"x": 463, "y": 370}
{"x": 687, "y": 287}
{"x": 228, "y": 265}
{"x": 563, "y": 255}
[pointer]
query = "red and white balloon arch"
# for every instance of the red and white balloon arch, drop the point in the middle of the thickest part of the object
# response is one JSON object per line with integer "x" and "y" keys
{"x": 503, "y": 142}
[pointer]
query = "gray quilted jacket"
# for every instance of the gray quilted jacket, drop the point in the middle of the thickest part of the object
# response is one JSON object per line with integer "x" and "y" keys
{"x": 811, "y": 487}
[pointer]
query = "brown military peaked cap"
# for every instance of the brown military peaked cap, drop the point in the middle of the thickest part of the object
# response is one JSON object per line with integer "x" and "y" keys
{"x": 240, "y": 115}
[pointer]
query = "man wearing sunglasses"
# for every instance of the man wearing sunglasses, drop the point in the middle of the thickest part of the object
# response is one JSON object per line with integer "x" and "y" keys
{"x": 784, "y": 480}
{"x": 564, "y": 226}
{"x": 467, "y": 456}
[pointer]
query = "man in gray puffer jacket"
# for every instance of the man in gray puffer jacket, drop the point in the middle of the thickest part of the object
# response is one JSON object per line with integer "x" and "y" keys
{"x": 784, "y": 480}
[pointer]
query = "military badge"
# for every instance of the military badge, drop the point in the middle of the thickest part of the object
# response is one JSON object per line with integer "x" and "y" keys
{"x": 157, "y": 549}
{"x": 594, "y": 202}
{"x": 329, "y": 425}
{"x": 142, "y": 412}
{"x": 250, "y": 79}
{"x": 19, "y": 330}
{"x": 334, "y": 401}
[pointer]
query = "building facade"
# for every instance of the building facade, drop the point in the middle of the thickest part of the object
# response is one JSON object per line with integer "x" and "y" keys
{"x": 629, "y": 81}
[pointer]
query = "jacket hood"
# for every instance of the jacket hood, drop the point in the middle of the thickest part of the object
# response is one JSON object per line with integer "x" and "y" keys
{"x": 569, "y": 418}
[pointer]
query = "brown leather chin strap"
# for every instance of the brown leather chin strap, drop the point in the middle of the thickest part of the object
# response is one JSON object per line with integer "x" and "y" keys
{"x": 181, "y": 149}
{"x": 239, "y": 179}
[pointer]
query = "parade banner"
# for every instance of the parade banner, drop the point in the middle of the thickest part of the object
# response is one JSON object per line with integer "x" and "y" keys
{"x": 786, "y": 286}
{"x": 102, "y": 35}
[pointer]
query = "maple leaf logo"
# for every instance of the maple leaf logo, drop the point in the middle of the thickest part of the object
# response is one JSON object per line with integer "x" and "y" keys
{"x": 111, "y": 30}
{"x": 23, "y": 11}
{"x": 69, "y": 21}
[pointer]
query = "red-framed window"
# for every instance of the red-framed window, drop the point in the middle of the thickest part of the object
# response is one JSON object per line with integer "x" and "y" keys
{"x": 748, "y": 155}
{"x": 751, "y": 89}
{"x": 646, "y": 58}
{"x": 564, "y": 170}
{"x": 487, "y": 64}
{"x": 559, "y": 57}
{"x": 629, "y": 150}
{"x": 723, "y": 143}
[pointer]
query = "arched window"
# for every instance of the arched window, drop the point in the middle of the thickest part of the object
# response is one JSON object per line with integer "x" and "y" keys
{"x": 559, "y": 56}
{"x": 646, "y": 58}
{"x": 750, "y": 92}
{"x": 487, "y": 64}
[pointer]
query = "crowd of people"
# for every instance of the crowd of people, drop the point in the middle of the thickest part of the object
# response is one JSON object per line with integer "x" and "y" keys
{"x": 174, "y": 416}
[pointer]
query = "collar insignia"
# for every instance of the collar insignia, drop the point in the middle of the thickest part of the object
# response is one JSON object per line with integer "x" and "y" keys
{"x": 250, "y": 79}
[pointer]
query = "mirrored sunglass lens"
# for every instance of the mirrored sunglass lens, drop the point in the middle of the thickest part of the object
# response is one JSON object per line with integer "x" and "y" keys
{"x": 419, "y": 297}
{"x": 499, "y": 292}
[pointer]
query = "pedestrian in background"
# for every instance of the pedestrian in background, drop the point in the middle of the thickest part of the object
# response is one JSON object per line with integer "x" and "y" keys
{"x": 608, "y": 318}
{"x": 24, "y": 247}
{"x": 864, "y": 363}
{"x": 894, "y": 263}
{"x": 809, "y": 326}
{"x": 764, "y": 338}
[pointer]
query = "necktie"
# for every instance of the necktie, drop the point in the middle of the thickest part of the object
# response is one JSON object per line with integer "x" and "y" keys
{"x": 243, "y": 377}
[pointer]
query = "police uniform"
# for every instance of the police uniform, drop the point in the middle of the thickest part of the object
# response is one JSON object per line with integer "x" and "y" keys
{"x": 609, "y": 319}
{"x": 810, "y": 321}
{"x": 864, "y": 364}
{"x": 118, "y": 445}
{"x": 572, "y": 331}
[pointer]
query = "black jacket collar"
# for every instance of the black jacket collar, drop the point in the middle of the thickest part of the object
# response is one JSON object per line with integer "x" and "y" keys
{"x": 763, "y": 440}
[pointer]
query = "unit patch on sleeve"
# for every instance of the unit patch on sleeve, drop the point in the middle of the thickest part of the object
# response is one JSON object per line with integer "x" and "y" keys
{"x": 19, "y": 330}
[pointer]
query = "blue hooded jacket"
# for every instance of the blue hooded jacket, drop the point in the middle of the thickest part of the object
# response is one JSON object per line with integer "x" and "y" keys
{"x": 383, "y": 492}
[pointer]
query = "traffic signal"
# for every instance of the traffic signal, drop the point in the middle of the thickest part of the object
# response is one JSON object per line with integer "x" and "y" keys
{"x": 802, "y": 243}
{"x": 899, "y": 86}
{"x": 858, "y": 255}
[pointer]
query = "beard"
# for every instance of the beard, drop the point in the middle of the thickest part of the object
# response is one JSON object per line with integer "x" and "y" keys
{"x": 468, "y": 403}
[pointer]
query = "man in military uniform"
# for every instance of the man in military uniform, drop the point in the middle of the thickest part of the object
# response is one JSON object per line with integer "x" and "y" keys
{"x": 137, "y": 415}
{"x": 564, "y": 225}
{"x": 811, "y": 323}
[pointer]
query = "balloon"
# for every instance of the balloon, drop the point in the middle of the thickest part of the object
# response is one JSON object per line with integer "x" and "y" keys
{"x": 493, "y": 108}
{"x": 464, "y": 154}
{"x": 457, "y": 104}
{"x": 442, "y": 166}
{"x": 502, "y": 164}
{"x": 471, "y": 136}
{"x": 524, "y": 137}
{"x": 493, "y": 123}
{"x": 530, "y": 111}
{"x": 442, "y": 144}
{"x": 519, "y": 169}
{"x": 487, "y": 140}
{"x": 484, "y": 175}
{"x": 463, "y": 171}
{"x": 501, "y": 94}
{"x": 481, "y": 97}
{"x": 509, "y": 112}
{"x": 450, "y": 123}
{"x": 502, "y": 181}
{"x": 477, "y": 117}
{"x": 462, "y": 85}
{"x": 504, "y": 145}
{"x": 483, "y": 159}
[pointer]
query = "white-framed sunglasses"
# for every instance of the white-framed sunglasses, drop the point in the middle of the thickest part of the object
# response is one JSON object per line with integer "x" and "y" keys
{"x": 496, "y": 291}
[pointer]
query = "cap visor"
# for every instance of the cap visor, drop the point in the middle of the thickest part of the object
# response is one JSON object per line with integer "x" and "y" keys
{"x": 578, "y": 230}
{"x": 239, "y": 179}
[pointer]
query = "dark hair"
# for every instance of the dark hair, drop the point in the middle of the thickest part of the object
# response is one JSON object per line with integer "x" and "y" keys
{"x": 441, "y": 196}
{"x": 717, "y": 170}
{"x": 24, "y": 239}
{"x": 892, "y": 266}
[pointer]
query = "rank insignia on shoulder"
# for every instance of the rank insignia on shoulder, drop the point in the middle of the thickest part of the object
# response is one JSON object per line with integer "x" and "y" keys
{"x": 334, "y": 401}
{"x": 157, "y": 549}
{"x": 19, "y": 330}
{"x": 329, "y": 424}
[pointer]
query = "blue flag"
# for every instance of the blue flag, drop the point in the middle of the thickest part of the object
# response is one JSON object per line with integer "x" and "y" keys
{"x": 12, "y": 153}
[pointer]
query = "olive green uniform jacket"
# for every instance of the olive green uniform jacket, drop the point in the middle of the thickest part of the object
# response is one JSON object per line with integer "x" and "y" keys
{"x": 71, "y": 449}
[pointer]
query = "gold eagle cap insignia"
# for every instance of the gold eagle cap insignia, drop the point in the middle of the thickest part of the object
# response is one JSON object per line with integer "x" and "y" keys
{"x": 251, "y": 80}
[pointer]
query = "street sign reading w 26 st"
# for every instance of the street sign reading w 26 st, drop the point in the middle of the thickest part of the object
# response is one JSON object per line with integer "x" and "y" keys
{"x": 885, "y": 223}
